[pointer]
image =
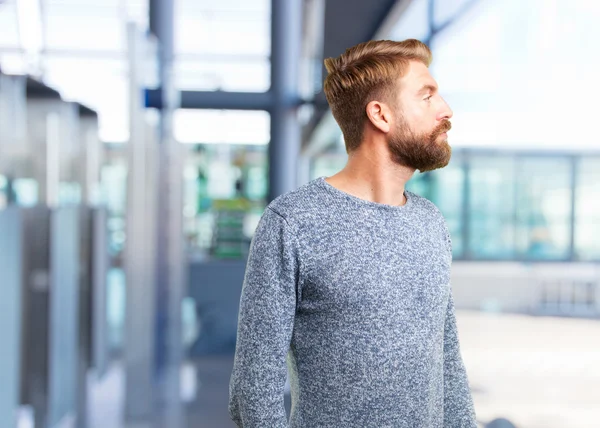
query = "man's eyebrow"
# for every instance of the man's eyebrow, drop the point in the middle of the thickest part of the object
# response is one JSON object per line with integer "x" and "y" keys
{"x": 427, "y": 88}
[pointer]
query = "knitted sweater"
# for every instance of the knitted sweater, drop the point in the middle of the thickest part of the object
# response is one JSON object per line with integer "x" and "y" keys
{"x": 353, "y": 298}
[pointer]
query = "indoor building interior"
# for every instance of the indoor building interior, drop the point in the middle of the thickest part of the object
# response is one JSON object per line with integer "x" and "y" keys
{"x": 141, "y": 140}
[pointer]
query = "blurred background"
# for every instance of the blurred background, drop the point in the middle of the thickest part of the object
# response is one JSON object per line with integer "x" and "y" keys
{"x": 140, "y": 141}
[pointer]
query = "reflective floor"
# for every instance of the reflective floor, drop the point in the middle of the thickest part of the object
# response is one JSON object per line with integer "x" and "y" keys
{"x": 205, "y": 382}
{"x": 210, "y": 407}
{"x": 537, "y": 372}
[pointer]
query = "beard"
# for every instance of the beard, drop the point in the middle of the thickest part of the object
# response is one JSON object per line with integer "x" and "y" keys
{"x": 420, "y": 151}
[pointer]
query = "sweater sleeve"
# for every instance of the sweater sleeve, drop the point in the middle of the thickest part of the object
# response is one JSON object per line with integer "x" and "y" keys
{"x": 459, "y": 410}
{"x": 266, "y": 319}
{"x": 458, "y": 403}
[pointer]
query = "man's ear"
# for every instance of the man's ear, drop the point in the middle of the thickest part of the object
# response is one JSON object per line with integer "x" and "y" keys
{"x": 379, "y": 115}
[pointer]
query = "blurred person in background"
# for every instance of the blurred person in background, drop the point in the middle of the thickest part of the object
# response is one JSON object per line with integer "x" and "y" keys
{"x": 348, "y": 278}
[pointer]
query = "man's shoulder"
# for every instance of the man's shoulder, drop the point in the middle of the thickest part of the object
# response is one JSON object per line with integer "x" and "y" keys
{"x": 297, "y": 203}
{"x": 423, "y": 203}
{"x": 426, "y": 206}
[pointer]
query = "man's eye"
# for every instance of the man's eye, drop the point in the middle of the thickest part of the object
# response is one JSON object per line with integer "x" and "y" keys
{"x": 428, "y": 98}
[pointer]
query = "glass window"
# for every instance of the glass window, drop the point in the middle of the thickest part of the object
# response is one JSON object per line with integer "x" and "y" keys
{"x": 9, "y": 36}
{"x": 84, "y": 66}
{"x": 447, "y": 193}
{"x": 3, "y": 192}
{"x": 256, "y": 182}
{"x": 72, "y": 25}
{"x": 207, "y": 126}
{"x": 414, "y": 22}
{"x": 327, "y": 164}
{"x": 115, "y": 307}
{"x": 114, "y": 196}
{"x": 543, "y": 208}
{"x": 445, "y": 189}
{"x": 587, "y": 208}
{"x": 13, "y": 62}
{"x": 446, "y": 10}
{"x": 98, "y": 83}
{"x": 491, "y": 206}
{"x": 225, "y": 193}
{"x": 223, "y": 45}
{"x": 420, "y": 183}
{"x": 224, "y": 33}
{"x": 137, "y": 11}
{"x": 224, "y": 74}
{"x": 26, "y": 191}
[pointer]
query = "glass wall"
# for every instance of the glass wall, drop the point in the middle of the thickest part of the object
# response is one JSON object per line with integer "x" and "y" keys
{"x": 543, "y": 209}
{"x": 113, "y": 183}
{"x": 490, "y": 211}
{"x": 223, "y": 46}
{"x": 224, "y": 198}
{"x": 587, "y": 209}
{"x": 225, "y": 178}
{"x": 114, "y": 194}
{"x": 327, "y": 164}
{"x": 3, "y": 192}
{"x": 502, "y": 205}
{"x": 446, "y": 187}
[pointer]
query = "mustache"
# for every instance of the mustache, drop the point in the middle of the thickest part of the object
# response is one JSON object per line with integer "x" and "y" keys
{"x": 445, "y": 126}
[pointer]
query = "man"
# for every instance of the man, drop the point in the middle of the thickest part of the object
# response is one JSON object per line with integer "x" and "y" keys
{"x": 348, "y": 279}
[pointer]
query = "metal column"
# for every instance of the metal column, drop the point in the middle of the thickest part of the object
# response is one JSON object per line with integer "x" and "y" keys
{"x": 11, "y": 266}
{"x": 171, "y": 260}
{"x": 63, "y": 303}
{"x": 140, "y": 302}
{"x": 286, "y": 49}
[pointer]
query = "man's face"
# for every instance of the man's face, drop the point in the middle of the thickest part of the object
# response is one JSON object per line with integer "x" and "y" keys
{"x": 419, "y": 139}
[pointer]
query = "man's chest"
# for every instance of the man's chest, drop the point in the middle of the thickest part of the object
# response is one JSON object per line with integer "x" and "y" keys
{"x": 366, "y": 269}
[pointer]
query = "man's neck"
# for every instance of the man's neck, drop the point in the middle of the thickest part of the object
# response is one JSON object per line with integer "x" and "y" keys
{"x": 373, "y": 178}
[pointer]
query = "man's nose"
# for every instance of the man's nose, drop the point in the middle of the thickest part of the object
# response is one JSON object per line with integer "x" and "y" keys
{"x": 445, "y": 111}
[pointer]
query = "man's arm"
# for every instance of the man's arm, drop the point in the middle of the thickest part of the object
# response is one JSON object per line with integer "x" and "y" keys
{"x": 459, "y": 410}
{"x": 458, "y": 403}
{"x": 265, "y": 324}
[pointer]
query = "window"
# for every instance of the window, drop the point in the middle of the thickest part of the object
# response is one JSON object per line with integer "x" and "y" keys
{"x": 70, "y": 26}
{"x": 327, "y": 164}
{"x": 3, "y": 192}
{"x": 224, "y": 198}
{"x": 215, "y": 126}
{"x": 413, "y": 23}
{"x": 543, "y": 208}
{"x": 491, "y": 207}
{"x": 223, "y": 45}
{"x": 9, "y": 36}
{"x": 447, "y": 192}
{"x": 224, "y": 74}
{"x": 587, "y": 208}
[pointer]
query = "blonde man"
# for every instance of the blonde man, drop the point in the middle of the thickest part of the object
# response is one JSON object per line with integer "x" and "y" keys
{"x": 347, "y": 284}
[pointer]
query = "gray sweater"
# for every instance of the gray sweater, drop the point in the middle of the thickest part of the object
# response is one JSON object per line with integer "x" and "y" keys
{"x": 353, "y": 298}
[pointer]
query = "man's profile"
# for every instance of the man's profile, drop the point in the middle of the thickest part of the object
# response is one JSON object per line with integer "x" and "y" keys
{"x": 347, "y": 283}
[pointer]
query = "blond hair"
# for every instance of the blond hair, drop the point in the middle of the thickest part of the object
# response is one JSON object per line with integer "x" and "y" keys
{"x": 364, "y": 73}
